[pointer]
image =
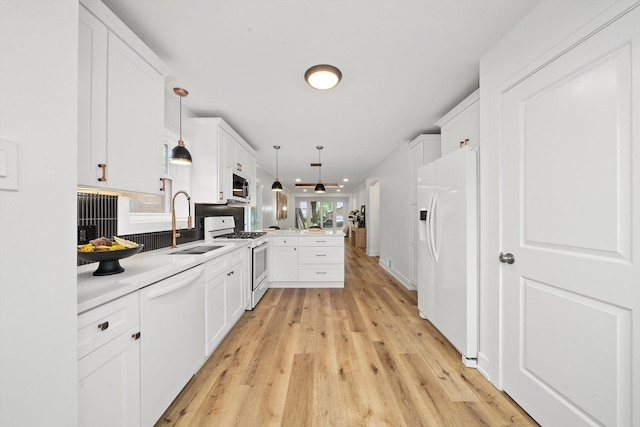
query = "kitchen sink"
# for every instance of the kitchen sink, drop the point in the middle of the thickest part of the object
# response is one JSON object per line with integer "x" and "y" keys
{"x": 196, "y": 250}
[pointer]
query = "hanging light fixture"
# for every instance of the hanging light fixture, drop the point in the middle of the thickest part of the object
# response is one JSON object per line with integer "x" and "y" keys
{"x": 323, "y": 76}
{"x": 319, "y": 186}
{"x": 276, "y": 186}
{"x": 179, "y": 154}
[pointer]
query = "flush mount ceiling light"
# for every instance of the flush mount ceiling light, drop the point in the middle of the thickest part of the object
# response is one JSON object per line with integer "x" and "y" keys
{"x": 276, "y": 186}
{"x": 319, "y": 186}
{"x": 179, "y": 154}
{"x": 323, "y": 76}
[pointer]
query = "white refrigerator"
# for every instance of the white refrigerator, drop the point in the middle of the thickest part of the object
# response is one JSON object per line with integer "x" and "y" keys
{"x": 447, "y": 203}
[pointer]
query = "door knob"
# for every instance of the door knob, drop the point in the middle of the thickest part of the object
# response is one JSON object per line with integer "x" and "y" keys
{"x": 508, "y": 258}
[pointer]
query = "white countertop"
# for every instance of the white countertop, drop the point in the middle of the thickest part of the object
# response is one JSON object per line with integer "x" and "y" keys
{"x": 305, "y": 233}
{"x": 141, "y": 270}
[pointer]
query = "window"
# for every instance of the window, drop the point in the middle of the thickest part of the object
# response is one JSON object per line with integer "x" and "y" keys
{"x": 327, "y": 213}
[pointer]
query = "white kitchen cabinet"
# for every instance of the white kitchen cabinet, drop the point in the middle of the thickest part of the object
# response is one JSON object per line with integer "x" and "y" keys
{"x": 121, "y": 106}
{"x": 284, "y": 259}
{"x": 461, "y": 126}
{"x": 423, "y": 149}
{"x": 92, "y": 98}
{"x": 109, "y": 364}
{"x": 218, "y": 151}
{"x": 224, "y": 297}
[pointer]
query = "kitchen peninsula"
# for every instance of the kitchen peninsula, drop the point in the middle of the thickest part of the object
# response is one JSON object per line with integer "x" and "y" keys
{"x": 307, "y": 259}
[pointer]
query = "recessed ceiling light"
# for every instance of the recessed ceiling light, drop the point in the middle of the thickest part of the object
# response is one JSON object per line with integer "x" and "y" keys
{"x": 338, "y": 190}
{"x": 346, "y": 180}
{"x": 323, "y": 76}
{"x": 305, "y": 190}
{"x": 341, "y": 186}
{"x": 298, "y": 180}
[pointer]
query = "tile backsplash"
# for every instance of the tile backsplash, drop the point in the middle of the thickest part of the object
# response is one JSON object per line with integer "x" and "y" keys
{"x": 101, "y": 211}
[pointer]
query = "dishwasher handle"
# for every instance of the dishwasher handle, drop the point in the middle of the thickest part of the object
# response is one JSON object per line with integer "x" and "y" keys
{"x": 164, "y": 290}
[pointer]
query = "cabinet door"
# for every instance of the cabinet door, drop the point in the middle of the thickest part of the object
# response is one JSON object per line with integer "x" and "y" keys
{"x": 92, "y": 98}
{"x": 109, "y": 384}
{"x": 235, "y": 282}
{"x": 415, "y": 161}
{"x": 135, "y": 120}
{"x": 284, "y": 264}
{"x": 216, "y": 323}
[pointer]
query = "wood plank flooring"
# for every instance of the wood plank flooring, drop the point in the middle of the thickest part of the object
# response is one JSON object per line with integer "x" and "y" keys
{"x": 340, "y": 357}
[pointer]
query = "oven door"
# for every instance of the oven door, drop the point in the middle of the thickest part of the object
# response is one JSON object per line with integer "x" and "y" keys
{"x": 259, "y": 264}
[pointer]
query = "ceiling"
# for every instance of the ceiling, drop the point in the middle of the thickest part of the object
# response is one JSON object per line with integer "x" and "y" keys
{"x": 404, "y": 65}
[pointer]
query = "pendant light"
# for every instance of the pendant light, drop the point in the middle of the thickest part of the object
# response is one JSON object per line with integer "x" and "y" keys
{"x": 319, "y": 186}
{"x": 276, "y": 184}
{"x": 323, "y": 76}
{"x": 179, "y": 154}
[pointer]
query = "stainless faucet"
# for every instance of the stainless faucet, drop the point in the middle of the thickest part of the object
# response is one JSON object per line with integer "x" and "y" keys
{"x": 174, "y": 233}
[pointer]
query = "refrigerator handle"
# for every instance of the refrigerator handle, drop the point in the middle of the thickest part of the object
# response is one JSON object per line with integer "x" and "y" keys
{"x": 428, "y": 229}
{"x": 433, "y": 217}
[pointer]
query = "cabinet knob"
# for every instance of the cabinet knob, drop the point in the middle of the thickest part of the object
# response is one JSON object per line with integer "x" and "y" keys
{"x": 103, "y": 166}
{"x": 103, "y": 326}
{"x": 136, "y": 336}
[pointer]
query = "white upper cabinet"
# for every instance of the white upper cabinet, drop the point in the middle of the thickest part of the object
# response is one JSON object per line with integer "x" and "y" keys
{"x": 121, "y": 106}
{"x": 461, "y": 126}
{"x": 423, "y": 149}
{"x": 218, "y": 152}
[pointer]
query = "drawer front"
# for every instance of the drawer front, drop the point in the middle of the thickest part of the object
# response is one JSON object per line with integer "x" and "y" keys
{"x": 284, "y": 241}
{"x": 321, "y": 273}
{"x": 320, "y": 255}
{"x": 322, "y": 241}
{"x": 217, "y": 266}
{"x": 100, "y": 325}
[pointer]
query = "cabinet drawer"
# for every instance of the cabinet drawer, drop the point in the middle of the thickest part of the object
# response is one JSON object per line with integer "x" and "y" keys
{"x": 320, "y": 255}
{"x": 321, "y": 273}
{"x": 322, "y": 241}
{"x": 221, "y": 264}
{"x": 100, "y": 325}
{"x": 284, "y": 241}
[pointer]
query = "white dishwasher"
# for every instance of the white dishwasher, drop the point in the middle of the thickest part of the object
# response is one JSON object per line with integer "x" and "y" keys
{"x": 172, "y": 344}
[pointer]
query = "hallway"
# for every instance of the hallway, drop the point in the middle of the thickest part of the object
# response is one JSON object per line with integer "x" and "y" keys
{"x": 342, "y": 357}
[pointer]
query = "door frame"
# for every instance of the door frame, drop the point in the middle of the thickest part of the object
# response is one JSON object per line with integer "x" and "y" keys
{"x": 492, "y": 89}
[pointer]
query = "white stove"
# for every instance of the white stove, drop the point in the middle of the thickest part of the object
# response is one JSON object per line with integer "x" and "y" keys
{"x": 222, "y": 228}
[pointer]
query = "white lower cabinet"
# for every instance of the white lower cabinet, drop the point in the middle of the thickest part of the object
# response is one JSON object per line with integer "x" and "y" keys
{"x": 137, "y": 352}
{"x": 109, "y": 364}
{"x": 224, "y": 297}
{"x": 284, "y": 259}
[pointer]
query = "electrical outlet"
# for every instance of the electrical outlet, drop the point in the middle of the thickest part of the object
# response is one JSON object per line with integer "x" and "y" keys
{"x": 86, "y": 233}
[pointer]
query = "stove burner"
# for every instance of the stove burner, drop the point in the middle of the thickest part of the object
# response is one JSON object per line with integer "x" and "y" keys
{"x": 243, "y": 235}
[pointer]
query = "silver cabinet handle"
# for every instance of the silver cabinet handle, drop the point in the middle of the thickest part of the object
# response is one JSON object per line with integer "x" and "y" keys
{"x": 507, "y": 258}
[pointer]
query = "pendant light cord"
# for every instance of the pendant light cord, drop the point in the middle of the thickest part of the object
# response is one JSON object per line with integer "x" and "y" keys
{"x": 180, "y": 119}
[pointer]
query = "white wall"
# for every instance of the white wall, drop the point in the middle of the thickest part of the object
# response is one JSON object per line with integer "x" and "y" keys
{"x": 38, "y": 298}
{"x": 546, "y": 31}
{"x": 392, "y": 175}
{"x": 268, "y": 198}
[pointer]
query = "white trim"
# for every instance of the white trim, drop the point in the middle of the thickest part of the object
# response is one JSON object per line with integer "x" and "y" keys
{"x": 399, "y": 277}
{"x": 466, "y": 103}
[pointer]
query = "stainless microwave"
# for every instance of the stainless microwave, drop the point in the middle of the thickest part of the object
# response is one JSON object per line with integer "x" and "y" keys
{"x": 240, "y": 189}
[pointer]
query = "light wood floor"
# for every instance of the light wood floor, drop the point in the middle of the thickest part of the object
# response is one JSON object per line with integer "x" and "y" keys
{"x": 340, "y": 357}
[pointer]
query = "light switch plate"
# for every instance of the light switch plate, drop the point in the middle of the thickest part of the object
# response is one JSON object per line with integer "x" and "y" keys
{"x": 8, "y": 164}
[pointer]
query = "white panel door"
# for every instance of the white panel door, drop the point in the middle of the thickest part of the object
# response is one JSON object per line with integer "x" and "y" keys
{"x": 571, "y": 300}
